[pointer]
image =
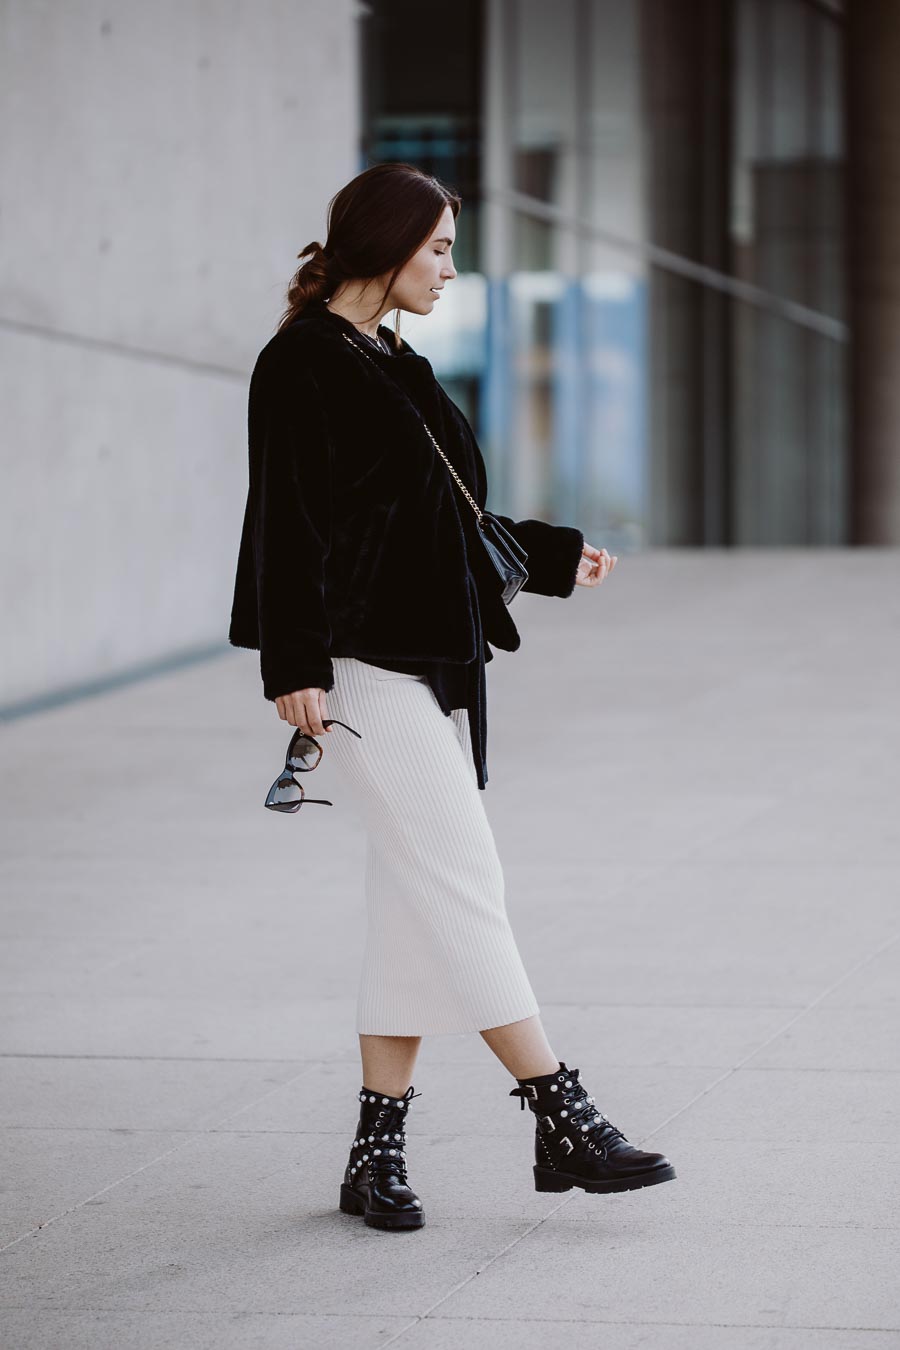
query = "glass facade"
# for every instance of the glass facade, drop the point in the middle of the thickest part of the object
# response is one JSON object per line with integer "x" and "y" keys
{"x": 648, "y": 329}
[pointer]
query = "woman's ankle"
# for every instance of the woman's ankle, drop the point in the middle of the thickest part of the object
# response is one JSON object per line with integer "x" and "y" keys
{"x": 386, "y": 1092}
{"x": 544, "y": 1071}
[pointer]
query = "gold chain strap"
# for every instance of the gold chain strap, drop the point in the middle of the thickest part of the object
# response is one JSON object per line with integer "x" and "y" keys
{"x": 475, "y": 507}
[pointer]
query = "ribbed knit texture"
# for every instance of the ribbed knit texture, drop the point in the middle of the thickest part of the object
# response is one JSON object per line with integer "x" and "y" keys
{"x": 440, "y": 955}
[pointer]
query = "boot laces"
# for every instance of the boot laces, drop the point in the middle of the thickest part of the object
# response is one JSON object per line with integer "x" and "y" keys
{"x": 582, "y": 1111}
{"x": 385, "y": 1151}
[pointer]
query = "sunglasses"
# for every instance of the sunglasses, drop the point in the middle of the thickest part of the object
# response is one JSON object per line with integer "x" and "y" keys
{"x": 304, "y": 753}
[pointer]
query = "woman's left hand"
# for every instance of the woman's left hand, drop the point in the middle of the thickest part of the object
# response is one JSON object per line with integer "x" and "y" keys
{"x": 595, "y": 566}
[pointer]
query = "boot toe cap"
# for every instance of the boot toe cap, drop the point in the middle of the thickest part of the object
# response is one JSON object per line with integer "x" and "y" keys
{"x": 635, "y": 1160}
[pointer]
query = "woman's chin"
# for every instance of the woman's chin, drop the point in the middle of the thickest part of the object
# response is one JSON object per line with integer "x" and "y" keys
{"x": 424, "y": 307}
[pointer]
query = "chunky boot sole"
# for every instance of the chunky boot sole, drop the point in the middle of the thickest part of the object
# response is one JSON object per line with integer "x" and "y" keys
{"x": 351, "y": 1203}
{"x": 547, "y": 1180}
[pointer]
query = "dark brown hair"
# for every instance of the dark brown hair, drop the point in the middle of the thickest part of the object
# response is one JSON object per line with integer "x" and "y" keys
{"x": 376, "y": 223}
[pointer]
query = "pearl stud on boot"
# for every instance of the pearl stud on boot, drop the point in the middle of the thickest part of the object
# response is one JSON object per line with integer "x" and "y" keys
{"x": 576, "y": 1145}
{"x": 375, "y": 1184}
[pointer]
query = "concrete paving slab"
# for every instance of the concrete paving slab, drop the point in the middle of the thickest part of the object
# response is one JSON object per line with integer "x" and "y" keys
{"x": 814, "y": 828}
{"x": 64, "y": 1167}
{"x": 699, "y": 933}
{"x": 877, "y": 985}
{"x": 451, "y": 1333}
{"x": 825, "y": 1039}
{"x": 534, "y": 888}
{"x": 628, "y": 832}
{"x": 613, "y": 1271}
{"x": 271, "y": 1239}
{"x": 105, "y": 1329}
{"x": 773, "y": 750}
{"x": 773, "y": 1106}
{"x": 133, "y": 1093}
{"x": 279, "y": 1027}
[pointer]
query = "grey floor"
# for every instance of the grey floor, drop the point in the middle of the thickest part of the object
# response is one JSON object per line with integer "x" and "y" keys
{"x": 695, "y": 772}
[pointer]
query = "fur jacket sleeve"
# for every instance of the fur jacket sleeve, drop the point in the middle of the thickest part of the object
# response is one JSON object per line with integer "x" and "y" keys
{"x": 356, "y": 540}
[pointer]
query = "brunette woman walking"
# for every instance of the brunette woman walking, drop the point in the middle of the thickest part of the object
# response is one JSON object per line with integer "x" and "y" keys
{"x": 365, "y": 584}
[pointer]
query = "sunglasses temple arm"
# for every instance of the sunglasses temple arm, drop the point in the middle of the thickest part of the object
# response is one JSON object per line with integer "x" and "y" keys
{"x": 334, "y": 721}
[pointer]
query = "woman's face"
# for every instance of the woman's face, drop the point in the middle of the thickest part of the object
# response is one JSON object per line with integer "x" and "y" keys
{"x": 431, "y": 266}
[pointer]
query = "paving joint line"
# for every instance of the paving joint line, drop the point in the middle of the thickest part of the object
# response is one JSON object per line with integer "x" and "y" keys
{"x": 39, "y": 1228}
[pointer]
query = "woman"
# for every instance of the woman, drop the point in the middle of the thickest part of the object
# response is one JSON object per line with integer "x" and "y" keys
{"x": 365, "y": 585}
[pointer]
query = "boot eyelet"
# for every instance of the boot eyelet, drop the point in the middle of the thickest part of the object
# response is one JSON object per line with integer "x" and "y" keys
{"x": 560, "y": 1077}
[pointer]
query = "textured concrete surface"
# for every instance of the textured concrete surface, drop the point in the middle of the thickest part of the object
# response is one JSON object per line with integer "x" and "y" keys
{"x": 694, "y": 787}
{"x": 146, "y": 253}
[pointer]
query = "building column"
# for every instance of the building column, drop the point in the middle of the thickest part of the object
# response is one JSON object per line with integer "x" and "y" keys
{"x": 873, "y": 200}
{"x": 685, "y": 71}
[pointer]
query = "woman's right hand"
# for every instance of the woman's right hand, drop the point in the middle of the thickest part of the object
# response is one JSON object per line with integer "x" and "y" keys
{"x": 304, "y": 708}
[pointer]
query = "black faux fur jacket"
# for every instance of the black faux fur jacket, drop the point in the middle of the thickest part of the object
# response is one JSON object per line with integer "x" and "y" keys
{"x": 356, "y": 540}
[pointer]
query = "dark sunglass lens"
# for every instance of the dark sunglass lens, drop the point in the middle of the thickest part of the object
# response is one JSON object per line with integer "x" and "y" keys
{"x": 305, "y": 755}
{"x": 285, "y": 794}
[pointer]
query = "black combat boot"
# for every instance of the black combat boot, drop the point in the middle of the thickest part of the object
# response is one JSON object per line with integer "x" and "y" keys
{"x": 575, "y": 1144}
{"x": 374, "y": 1182}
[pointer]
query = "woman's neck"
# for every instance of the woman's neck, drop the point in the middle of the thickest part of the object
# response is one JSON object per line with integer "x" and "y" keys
{"x": 352, "y": 314}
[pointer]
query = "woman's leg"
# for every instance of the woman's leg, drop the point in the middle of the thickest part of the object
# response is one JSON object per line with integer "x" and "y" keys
{"x": 522, "y": 1047}
{"x": 388, "y": 1062}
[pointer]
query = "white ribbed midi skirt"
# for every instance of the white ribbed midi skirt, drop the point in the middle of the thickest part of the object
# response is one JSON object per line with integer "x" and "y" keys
{"x": 439, "y": 955}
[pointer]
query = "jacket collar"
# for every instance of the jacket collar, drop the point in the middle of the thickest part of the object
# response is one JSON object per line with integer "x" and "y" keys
{"x": 319, "y": 318}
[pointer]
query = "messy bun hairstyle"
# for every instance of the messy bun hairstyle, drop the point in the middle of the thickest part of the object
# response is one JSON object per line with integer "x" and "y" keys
{"x": 376, "y": 223}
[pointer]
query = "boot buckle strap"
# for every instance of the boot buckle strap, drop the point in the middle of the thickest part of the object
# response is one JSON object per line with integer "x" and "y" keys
{"x": 528, "y": 1090}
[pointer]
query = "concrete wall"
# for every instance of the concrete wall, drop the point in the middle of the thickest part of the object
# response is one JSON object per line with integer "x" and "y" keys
{"x": 162, "y": 166}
